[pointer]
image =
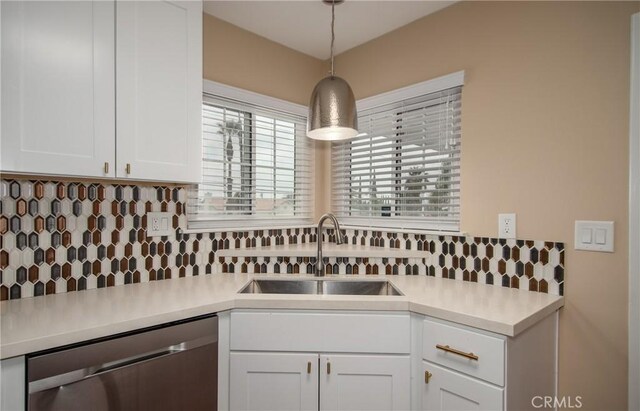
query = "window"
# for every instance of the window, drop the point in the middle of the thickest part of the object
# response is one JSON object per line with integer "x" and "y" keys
{"x": 403, "y": 170}
{"x": 256, "y": 166}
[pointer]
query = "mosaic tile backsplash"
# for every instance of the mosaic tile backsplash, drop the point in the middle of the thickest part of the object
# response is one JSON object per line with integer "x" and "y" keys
{"x": 58, "y": 237}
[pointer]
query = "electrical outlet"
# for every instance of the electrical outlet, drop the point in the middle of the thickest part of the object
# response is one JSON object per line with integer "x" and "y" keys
{"x": 159, "y": 224}
{"x": 507, "y": 225}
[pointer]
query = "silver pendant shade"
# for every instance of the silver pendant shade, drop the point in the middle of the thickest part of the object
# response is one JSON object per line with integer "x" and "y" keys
{"x": 332, "y": 108}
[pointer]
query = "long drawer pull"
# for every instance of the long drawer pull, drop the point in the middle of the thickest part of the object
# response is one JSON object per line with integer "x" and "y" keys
{"x": 468, "y": 355}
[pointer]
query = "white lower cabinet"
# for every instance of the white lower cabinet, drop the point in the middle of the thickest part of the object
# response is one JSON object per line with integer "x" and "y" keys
{"x": 364, "y": 382}
{"x": 342, "y": 360}
{"x": 447, "y": 390}
{"x": 273, "y": 381}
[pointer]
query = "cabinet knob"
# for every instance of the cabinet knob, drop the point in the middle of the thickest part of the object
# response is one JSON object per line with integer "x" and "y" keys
{"x": 427, "y": 377}
{"x": 328, "y": 367}
{"x": 309, "y": 367}
{"x": 128, "y": 168}
{"x": 106, "y": 167}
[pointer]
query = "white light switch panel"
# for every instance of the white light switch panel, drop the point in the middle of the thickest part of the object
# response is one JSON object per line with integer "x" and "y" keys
{"x": 159, "y": 224}
{"x": 594, "y": 236}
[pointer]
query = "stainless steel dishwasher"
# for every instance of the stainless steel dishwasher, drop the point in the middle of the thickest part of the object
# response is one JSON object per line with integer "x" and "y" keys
{"x": 169, "y": 367}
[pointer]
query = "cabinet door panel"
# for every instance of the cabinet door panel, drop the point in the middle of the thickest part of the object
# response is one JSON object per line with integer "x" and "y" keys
{"x": 448, "y": 390}
{"x": 364, "y": 382}
{"x": 159, "y": 90}
{"x": 58, "y": 99}
{"x": 273, "y": 381}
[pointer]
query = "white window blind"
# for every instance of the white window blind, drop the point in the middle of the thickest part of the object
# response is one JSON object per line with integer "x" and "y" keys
{"x": 256, "y": 167}
{"x": 403, "y": 170}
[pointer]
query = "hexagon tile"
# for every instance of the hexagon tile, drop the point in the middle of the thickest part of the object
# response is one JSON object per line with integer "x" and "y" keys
{"x": 57, "y": 237}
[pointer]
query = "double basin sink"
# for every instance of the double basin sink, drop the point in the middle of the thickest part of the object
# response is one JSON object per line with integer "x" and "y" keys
{"x": 320, "y": 287}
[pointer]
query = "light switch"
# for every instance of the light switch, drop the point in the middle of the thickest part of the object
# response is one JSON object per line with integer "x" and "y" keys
{"x": 601, "y": 236}
{"x": 594, "y": 236}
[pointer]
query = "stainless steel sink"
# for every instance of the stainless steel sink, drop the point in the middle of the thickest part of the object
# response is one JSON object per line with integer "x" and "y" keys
{"x": 326, "y": 287}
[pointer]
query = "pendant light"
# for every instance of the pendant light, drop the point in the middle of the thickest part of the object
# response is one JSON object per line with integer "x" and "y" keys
{"x": 332, "y": 108}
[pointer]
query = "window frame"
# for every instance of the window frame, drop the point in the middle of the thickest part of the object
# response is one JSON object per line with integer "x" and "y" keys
{"x": 269, "y": 103}
{"x": 435, "y": 85}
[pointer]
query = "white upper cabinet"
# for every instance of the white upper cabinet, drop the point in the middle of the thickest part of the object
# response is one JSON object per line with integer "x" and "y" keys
{"x": 102, "y": 89}
{"x": 58, "y": 88}
{"x": 159, "y": 90}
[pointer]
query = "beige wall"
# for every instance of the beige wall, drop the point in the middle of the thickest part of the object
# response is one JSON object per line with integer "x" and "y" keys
{"x": 545, "y": 135}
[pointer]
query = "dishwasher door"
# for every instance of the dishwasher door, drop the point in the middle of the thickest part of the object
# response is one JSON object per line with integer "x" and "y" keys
{"x": 168, "y": 368}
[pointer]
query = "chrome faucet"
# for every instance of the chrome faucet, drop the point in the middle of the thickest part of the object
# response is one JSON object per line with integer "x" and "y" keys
{"x": 336, "y": 226}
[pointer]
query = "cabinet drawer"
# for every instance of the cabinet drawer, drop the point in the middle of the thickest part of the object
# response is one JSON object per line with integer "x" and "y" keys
{"x": 320, "y": 332}
{"x": 449, "y": 345}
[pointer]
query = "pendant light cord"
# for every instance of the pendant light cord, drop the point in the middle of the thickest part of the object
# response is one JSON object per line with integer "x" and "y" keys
{"x": 333, "y": 35}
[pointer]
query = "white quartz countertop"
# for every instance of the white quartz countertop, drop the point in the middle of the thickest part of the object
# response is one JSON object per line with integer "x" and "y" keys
{"x": 328, "y": 250}
{"x": 34, "y": 324}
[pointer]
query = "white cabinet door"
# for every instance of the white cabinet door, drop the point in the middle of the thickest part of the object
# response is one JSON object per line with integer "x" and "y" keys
{"x": 273, "y": 381}
{"x": 364, "y": 382}
{"x": 58, "y": 101}
{"x": 451, "y": 391}
{"x": 159, "y": 90}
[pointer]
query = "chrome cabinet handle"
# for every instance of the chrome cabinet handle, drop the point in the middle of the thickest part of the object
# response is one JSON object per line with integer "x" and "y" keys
{"x": 468, "y": 355}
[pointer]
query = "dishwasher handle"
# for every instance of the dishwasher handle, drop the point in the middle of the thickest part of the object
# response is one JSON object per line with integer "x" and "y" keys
{"x": 99, "y": 369}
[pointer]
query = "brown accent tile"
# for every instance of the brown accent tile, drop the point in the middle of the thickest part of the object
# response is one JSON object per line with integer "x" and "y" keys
{"x": 33, "y": 273}
{"x": 50, "y": 256}
{"x": 465, "y": 249}
{"x": 4, "y": 225}
{"x": 163, "y": 207}
{"x": 66, "y": 270}
{"x": 528, "y": 269}
{"x": 50, "y": 287}
{"x": 66, "y": 239}
{"x": 21, "y": 207}
{"x": 71, "y": 284}
{"x": 161, "y": 248}
{"x": 61, "y": 223}
{"x": 115, "y": 237}
{"x": 38, "y": 224}
{"x": 465, "y": 275}
{"x": 115, "y": 208}
{"x": 148, "y": 207}
{"x": 515, "y": 253}
{"x": 544, "y": 256}
{"x": 141, "y": 235}
{"x": 4, "y": 259}
{"x": 119, "y": 222}
{"x": 164, "y": 261}
{"x": 489, "y": 251}
{"x": 38, "y": 190}
{"x": 144, "y": 249}
{"x": 111, "y": 251}
{"x": 515, "y": 282}
{"x": 182, "y": 272}
{"x": 61, "y": 191}
{"x": 148, "y": 263}
{"x": 144, "y": 221}
{"x": 196, "y": 247}
{"x": 96, "y": 208}
{"x": 82, "y": 192}
{"x": 543, "y": 287}
{"x": 474, "y": 277}
{"x": 152, "y": 275}
{"x": 4, "y": 293}
{"x": 533, "y": 284}
{"x": 96, "y": 237}
{"x": 356, "y": 269}
{"x": 132, "y": 207}
{"x": 128, "y": 250}
{"x": 96, "y": 268}
{"x": 111, "y": 280}
{"x": 529, "y": 243}
{"x": 179, "y": 208}
{"x": 101, "y": 192}
{"x": 136, "y": 277}
{"x": 485, "y": 265}
{"x": 502, "y": 266}
{"x": 124, "y": 264}
{"x": 92, "y": 223}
